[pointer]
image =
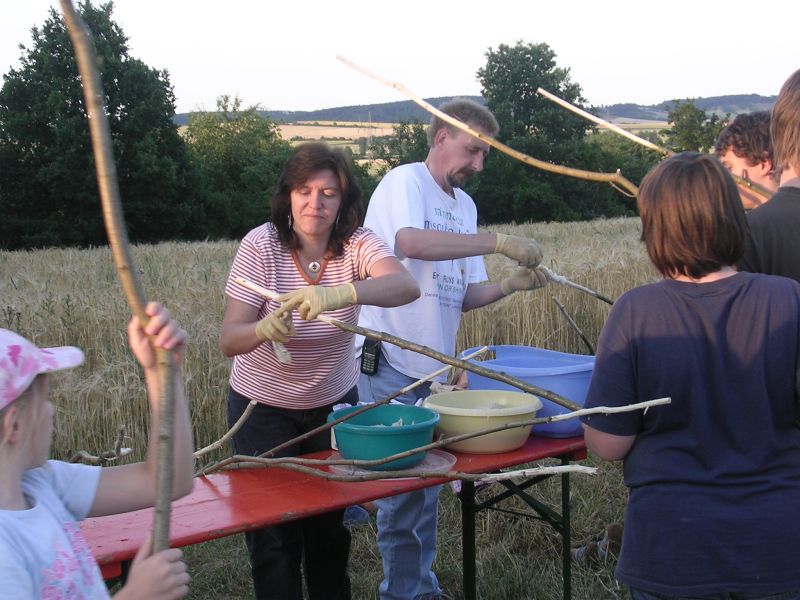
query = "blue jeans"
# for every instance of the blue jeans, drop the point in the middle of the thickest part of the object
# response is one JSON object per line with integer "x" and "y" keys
{"x": 640, "y": 594}
{"x": 406, "y": 522}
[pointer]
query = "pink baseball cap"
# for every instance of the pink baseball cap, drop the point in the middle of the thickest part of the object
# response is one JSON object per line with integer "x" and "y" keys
{"x": 21, "y": 361}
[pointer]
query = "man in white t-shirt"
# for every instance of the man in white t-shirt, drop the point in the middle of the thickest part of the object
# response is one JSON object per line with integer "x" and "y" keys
{"x": 431, "y": 224}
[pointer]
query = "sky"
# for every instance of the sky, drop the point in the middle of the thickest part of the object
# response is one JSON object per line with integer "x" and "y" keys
{"x": 281, "y": 54}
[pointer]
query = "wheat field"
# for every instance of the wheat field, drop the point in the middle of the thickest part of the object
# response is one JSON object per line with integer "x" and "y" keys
{"x": 69, "y": 296}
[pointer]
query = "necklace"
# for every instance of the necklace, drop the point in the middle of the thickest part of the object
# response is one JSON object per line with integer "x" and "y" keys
{"x": 314, "y": 266}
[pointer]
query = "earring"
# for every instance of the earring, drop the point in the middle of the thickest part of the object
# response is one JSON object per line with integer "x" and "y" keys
{"x": 290, "y": 220}
{"x": 337, "y": 220}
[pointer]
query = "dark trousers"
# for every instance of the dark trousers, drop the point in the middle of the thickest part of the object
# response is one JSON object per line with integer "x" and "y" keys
{"x": 639, "y": 594}
{"x": 322, "y": 543}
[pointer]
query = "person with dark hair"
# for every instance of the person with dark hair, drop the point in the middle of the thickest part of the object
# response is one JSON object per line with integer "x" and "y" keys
{"x": 745, "y": 149}
{"x": 773, "y": 245}
{"x": 714, "y": 477}
{"x": 315, "y": 254}
{"x": 422, "y": 213}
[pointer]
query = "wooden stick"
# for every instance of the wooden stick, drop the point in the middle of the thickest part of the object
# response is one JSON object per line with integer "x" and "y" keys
{"x": 572, "y": 322}
{"x": 595, "y": 119}
{"x": 126, "y": 270}
{"x": 615, "y": 179}
{"x": 326, "y": 426}
{"x": 295, "y": 460}
{"x": 742, "y": 182}
{"x": 405, "y": 474}
{"x": 236, "y": 426}
{"x": 420, "y": 349}
{"x": 556, "y": 278}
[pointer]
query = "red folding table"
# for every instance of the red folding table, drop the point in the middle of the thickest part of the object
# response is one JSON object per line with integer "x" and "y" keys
{"x": 230, "y": 502}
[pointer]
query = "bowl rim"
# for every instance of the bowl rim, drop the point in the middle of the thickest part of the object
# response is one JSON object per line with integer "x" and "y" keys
{"x": 581, "y": 363}
{"x": 386, "y": 430}
{"x": 430, "y": 402}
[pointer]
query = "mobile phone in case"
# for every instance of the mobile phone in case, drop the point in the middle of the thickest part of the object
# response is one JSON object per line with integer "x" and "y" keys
{"x": 370, "y": 355}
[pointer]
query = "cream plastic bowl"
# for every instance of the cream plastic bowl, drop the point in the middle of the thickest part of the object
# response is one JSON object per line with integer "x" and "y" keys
{"x": 470, "y": 411}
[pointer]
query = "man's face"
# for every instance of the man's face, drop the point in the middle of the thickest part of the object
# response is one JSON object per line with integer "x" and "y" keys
{"x": 760, "y": 174}
{"x": 463, "y": 156}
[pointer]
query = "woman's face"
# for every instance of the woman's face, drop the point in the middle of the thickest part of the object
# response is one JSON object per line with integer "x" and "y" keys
{"x": 315, "y": 205}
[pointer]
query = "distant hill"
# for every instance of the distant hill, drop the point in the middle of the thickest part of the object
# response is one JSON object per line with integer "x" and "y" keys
{"x": 733, "y": 104}
{"x": 406, "y": 110}
{"x": 389, "y": 112}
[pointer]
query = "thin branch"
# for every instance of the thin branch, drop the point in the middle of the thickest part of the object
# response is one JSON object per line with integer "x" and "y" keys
{"x": 613, "y": 178}
{"x": 236, "y": 426}
{"x": 572, "y": 322}
{"x": 556, "y": 278}
{"x": 742, "y": 182}
{"x": 296, "y": 460}
{"x": 405, "y": 474}
{"x": 118, "y": 240}
{"x": 420, "y": 349}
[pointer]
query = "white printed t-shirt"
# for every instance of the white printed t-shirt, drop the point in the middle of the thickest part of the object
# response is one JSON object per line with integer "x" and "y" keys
{"x": 42, "y": 551}
{"x": 408, "y": 196}
{"x": 323, "y": 366}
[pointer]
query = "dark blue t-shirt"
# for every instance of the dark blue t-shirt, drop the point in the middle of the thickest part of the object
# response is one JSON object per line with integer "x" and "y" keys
{"x": 714, "y": 476}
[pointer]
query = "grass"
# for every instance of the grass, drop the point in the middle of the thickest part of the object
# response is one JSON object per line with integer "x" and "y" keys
{"x": 67, "y": 296}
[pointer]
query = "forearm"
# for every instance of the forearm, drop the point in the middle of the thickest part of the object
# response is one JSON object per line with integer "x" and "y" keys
{"x": 238, "y": 338}
{"x": 387, "y": 291}
{"x": 183, "y": 442}
{"x": 425, "y": 244}
{"x": 481, "y": 294}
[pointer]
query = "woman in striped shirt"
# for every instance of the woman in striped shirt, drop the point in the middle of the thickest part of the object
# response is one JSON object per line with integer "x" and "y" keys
{"x": 315, "y": 254}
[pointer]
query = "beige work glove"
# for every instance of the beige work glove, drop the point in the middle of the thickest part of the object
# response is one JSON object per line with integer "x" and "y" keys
{"x": 525, "y": 251}
{"x": 315, "y": 299}
{"x": 276, "y": 326}
{"x": 523, "y": 278}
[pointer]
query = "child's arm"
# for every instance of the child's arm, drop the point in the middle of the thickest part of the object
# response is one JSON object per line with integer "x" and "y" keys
{"x": 131, "y": 487}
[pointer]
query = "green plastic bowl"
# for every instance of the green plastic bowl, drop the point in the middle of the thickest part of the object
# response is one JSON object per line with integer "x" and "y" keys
{"x": 372, "y": 435}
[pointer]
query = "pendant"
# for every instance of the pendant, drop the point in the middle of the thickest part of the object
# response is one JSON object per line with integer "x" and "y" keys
{"x": 313, "y": 266}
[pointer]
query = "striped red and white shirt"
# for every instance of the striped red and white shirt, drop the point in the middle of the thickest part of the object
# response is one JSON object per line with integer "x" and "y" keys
{"x": 323, "y": 366}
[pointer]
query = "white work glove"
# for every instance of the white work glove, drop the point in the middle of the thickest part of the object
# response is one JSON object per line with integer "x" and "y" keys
{"x": 525, "y": 251}
{"x": 315, "y": 299}
{"x": 276, "y": 326}
{"x": 523, "y": 278}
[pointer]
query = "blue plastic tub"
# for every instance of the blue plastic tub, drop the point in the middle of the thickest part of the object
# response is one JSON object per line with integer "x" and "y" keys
{"x": 565, "y": 374}
{"x": 372, "y": 435}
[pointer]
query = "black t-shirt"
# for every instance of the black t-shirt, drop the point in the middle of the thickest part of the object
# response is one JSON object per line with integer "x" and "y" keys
{"x": 773, "y": 246}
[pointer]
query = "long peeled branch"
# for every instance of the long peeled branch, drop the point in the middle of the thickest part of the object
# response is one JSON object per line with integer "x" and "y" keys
{"x": 291, "y": 462}
{"x": 420, "y": 349}
{"x": 615, "y": 179}
{"x": 126, "y": 271}
{"x": 740, "y": 181}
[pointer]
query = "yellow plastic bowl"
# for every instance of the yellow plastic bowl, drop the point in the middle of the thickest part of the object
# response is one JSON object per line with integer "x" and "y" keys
{"x": 470, "y": 411}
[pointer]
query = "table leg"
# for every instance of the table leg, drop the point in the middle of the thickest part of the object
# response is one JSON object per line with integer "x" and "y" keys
{"x": 566, "y": 559}
{"x": 467, "y": 497}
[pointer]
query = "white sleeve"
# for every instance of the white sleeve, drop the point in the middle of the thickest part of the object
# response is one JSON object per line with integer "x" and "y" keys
{"x": 396, "y": 203}
{"x": 75, "y": 484}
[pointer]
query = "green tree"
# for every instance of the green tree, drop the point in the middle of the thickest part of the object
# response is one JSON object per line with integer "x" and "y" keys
{"x": 48, "y": 191}
{"x": 407, "y": 144}
{"x": 507, "y": 190}
{"x": 239, "y": 156}
{"x": 691, "y": 128}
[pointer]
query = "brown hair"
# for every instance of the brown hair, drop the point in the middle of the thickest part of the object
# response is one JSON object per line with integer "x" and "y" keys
{"x": 785, "y": 124}
{"x": 466, "y": 111}
{"x": 748, "y": 137}
{"x": 692, "y": 218}
{"x": 305, "y": 161}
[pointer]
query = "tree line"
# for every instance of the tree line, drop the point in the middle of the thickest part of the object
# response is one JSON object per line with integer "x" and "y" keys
{"x": 216, "y": 180}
